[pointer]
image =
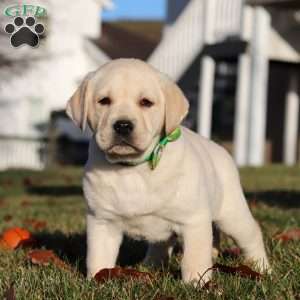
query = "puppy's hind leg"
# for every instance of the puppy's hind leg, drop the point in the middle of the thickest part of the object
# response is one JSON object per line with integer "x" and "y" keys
{"x": 238, "y": 223}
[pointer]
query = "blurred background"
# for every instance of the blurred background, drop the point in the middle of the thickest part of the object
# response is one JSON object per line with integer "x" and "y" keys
{"x": 237, "y": 61}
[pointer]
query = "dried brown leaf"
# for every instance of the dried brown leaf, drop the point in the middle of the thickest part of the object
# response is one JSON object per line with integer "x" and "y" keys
{"x": 2, "y": 202}
{"x": 240, "y": 270}
{"x": 292, "y": 234}
{"x": 7, "y": 218}
{"x": 25, "y": 202}
{"x": 46, "y": 257}
{"x": 27, "y": 181}
{"x": 7, "y": 182}
{"x": 116, "y": 273}
{"x": 36, "y": 224}
{"x": 10, "y": 293}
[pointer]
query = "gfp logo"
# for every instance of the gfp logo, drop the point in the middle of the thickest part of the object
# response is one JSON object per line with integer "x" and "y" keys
{"x": 24, "y": 30}
{"x": 25, "y": 10}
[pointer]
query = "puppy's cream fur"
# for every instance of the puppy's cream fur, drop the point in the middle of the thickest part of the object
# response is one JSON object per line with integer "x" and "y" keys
{"x": 195, "y": 183}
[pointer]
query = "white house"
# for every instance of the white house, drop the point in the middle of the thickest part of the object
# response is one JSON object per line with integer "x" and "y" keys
{"x": 269, "y": 31}
{"x": 257, "y": 34}
{"x": 33, "y": 82}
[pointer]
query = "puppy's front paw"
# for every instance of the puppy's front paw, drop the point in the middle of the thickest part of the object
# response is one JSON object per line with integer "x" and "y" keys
{"x": 262, "y": 265}
{"x": 91, "y": 272}
{"x": 197, "y": 277}
{"x": 90, "y": 275}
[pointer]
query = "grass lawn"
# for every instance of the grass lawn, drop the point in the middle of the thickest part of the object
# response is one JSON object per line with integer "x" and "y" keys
{"x": 55, "y": 196}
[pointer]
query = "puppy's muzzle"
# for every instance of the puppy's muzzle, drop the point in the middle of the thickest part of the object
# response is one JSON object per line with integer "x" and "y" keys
{"x": 123, "y": 127}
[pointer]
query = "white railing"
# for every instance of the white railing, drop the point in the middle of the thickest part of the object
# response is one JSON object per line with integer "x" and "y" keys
{"x": 183, "y": 40}
{"x": 18, "y": 152}
{"x": 227, "y": 19}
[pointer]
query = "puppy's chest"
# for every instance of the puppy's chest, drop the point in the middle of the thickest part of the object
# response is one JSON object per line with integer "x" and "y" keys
{"x": 152, "y": 228}
{"x": 137, "y": 204}
{"x": 128, "y": 195}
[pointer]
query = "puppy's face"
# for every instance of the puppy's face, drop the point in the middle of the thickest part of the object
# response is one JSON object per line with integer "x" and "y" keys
{"x": 126, "y": 105}
{"x": 128, "y": 111}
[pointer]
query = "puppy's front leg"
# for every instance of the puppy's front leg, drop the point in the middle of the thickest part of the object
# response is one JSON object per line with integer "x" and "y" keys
{"x": 197, "y": 252}
{"x": 103, "y": 243}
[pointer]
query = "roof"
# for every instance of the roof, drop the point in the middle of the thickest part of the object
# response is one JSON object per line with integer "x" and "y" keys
{"x": 131, "y": 39}
{"x": 276, "y": 3}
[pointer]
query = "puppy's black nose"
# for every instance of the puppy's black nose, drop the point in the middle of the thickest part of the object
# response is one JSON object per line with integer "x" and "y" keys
{"x": 123, "y": 127}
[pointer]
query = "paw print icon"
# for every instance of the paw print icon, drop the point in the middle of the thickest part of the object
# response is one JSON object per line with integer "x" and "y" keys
{"x": 24, "y": 31}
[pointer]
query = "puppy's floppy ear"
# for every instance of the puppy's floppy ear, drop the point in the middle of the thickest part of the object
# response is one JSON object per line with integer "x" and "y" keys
{"x": 77, "y": 106}
{"x": 177, "y": 105}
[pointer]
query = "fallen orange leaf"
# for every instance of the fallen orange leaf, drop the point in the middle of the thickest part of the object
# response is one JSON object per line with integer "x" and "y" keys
{"x": 46, "y": 257}
{"x": 15, "y": 237}
{"x": 116, "y": 273}
{"x": 289, "y": 235}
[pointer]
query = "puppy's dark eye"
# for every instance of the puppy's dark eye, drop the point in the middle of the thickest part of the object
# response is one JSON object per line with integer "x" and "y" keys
{"x": 105, "y": 101}
{"x": 146, "y": 102}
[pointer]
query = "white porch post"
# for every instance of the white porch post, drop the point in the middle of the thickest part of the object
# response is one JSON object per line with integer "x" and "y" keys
{"x": 207, "y": 73}
{"x": 291, "y": 122}
{"x": 242, "y": 98}
{"x": 259, "y": 87}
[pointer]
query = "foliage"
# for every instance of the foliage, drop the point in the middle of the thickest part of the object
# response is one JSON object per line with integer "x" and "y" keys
{"x": 49, "y": 204}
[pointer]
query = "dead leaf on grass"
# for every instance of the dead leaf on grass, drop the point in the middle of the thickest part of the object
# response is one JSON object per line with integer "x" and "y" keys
{"x": 2, "y": 202}
{"x": 15, "y": 237}
{"x": 241, "y": 270}
{"x": 46, "y": 257}
{"x": 116, "y": 273}
{"x": 27, "y": 181}
{"x": 36, "y": 224}
{"x": 7, "y": 218}
{"x": 292, "y": 234}
{"x": 25, "y": 203}
{"x": 10, "y": 293}
{"x": 7, "y": 182}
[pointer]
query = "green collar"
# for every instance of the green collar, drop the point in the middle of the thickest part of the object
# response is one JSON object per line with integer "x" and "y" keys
{"x": 155, "y": 155}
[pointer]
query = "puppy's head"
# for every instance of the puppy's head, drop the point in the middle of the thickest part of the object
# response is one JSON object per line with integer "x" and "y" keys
{"x": 129, "y": 106}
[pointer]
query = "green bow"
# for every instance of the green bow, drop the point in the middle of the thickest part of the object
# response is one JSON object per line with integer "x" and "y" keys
{"x": 155, "y": 156}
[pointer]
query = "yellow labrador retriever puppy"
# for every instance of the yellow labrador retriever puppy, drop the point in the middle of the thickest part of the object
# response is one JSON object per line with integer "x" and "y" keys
{"x": 135, "y": 113}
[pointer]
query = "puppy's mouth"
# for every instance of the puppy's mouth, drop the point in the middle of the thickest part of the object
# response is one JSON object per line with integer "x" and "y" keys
{"x": 123, "y": 148}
